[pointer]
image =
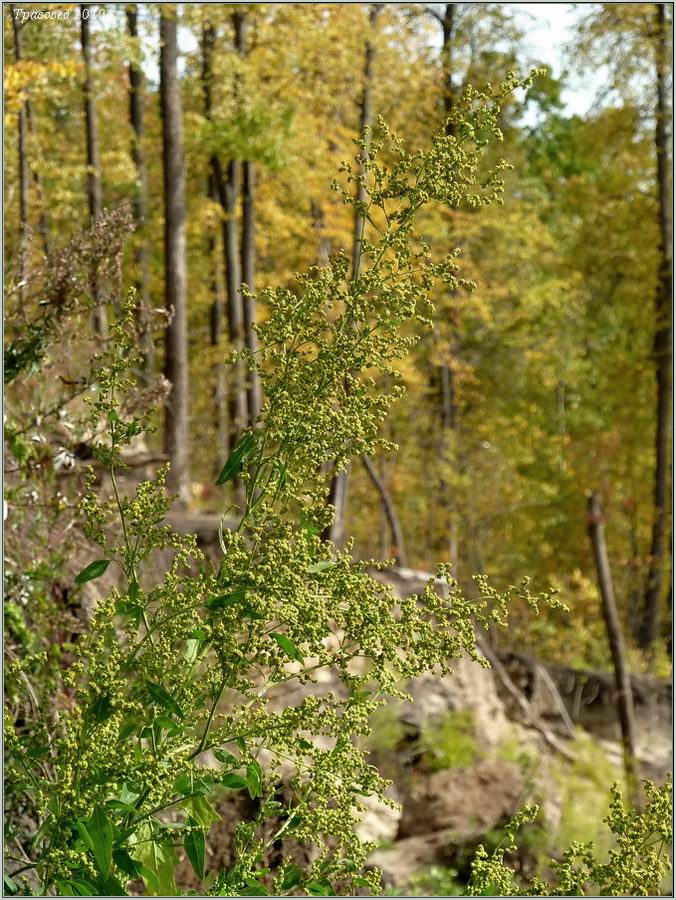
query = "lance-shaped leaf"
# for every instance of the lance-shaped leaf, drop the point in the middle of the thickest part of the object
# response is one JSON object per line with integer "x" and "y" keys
{"x": 93, "y": 570}
{"x": 194, "y": 845}
{"x": 163, "y": 698}
{"x": 288, "y": 647}
{"x": 238, "y": 458}
{"x": 97, "y": 836}
{"x": 321, "y": 566}
{"x": 225, "y": 600}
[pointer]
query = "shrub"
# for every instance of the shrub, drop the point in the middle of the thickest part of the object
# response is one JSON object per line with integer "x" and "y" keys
{"x": 168, "y": 696}
{"x": 636, "y": 864}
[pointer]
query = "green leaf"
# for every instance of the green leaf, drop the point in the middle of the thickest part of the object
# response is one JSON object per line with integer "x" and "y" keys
{"x": 165, "y": 722}
{"x": 150, "y": 879}
{"x": 201, "y": 810}
{"x": 221, "y": 537}
{"x": 234, "y": 782}
{"x": 288, "y": 647}
{"x": 254, "y": 779}
{"x": 194, "y": 845}
{"x": 163, "y": 698}
{"x": 123, "y": 807}
{"x": 188, "y": 784}
{"x": 11, "y": 887}
{"x": 109, "y": 887}
{"x": 248, "y": 612}
{"x": 85, "y": 835}
{"x": 157, "y": 862}
{"x": 100, "y": 832}
{"x": 237, "y": 459}
{"x": 307, "y": 526}
{"x": 322, "y": 566}
{"x": 38, "y": 752}
{"x": 81, "y": 888}
{"x": 225, "y": 600}
{"x": 225, "y": 757}
{"x": 192, "y": 649}
{"x": 322, "y": 888}
{"x": 127, "y": 728}
{"x": 254, "y": 888}
{"x": 93, "y": 570}
{"x": 294, "y": 821}
{"x": 101, "y": 709}
{"x": 292, "y": 877}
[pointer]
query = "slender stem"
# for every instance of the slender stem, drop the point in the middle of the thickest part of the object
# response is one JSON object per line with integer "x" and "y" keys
{"x": 203, "y": 741}
{"x": 22, "y": 869}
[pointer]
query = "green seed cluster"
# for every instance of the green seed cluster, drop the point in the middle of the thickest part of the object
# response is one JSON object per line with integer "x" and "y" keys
{"x": 636, "y": 865}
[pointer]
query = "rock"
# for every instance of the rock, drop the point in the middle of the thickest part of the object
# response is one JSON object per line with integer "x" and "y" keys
{"x": 399, "y": 862}
{"x": 463, "y": 801}
{"x": 380, "y": 823}
{"x": 470, "y": 687}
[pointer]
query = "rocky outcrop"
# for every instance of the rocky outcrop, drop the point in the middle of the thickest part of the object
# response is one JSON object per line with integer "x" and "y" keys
{"x": 463, "y": 801}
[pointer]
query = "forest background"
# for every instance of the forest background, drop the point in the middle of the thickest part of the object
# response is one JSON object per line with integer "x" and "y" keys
{"x": 550, "y": 380}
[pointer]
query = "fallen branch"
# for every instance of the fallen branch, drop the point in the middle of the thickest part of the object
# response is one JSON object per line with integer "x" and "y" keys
{"x": 530, "y": 718}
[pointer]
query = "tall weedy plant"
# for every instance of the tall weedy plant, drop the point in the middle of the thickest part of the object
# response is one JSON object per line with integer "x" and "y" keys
{"x": 172, "y": 691}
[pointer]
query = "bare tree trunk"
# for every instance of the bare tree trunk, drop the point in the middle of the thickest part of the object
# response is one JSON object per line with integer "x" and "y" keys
{"x": 254, "y": 398}
{"x": 230, "y": 195}
{"x": 25, "y": 128}
{"x": 23, "y": 174}
{"x": 217, "y": 322}
{"x": 227, "y": 189}
{"x": 176, "y": 430}
{"x": 94, "y": 195}
{"x": 448, "y": 413}
{"x": 140, "y": 202}
{"x": 365, "y": 120}
{"x": 248, "y": 247}
{"x": 448, "y": 406}
{"x": 390, "y": 512}
{"x": 323, "y": 242}
{"x": 448, "y": 26}
{"x": 339, "y": 484}
{"x": 625, "y": 704}
{"x": 662, "y": 345}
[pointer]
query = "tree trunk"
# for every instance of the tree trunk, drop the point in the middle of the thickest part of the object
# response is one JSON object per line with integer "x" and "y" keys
{"x": 661, "y": 346}
{"x": 365, "y": 119}
{"x": 176, "y": 430}
{"x": 448, "y": 407}
{"x": 230, "y": 195}
{"x": 448, "y": 26}
{"x": 26, "y": 130}
{"x": 390, "y": 513}
{"x": 339, "y": 484}
{"x": 625, "y": 703}
{"x": 248, "y": 249}
{"x": 23, "y": 170}
{"x": 140, "y": 201}
{"x": 94, "y": 196}
{"x": 323, "y": 242}
{"x": 217, "y": 322}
